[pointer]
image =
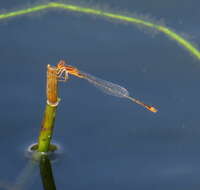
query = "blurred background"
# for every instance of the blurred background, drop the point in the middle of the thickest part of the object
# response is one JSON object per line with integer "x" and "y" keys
{"x": 107, "y": 142}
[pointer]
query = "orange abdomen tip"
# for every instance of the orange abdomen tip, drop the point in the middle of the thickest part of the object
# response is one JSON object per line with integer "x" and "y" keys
{"x": 152, "y": 109}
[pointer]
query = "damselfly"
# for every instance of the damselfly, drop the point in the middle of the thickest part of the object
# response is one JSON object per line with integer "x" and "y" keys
{"x": 105, "y": 86}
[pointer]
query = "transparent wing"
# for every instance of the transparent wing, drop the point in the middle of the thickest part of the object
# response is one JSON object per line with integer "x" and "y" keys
{"x": 106, "y": 87}
{"x": 114, "y": 90}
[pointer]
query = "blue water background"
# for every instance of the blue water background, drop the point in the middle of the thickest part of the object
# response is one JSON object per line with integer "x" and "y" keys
{"x": 107, "y": 143}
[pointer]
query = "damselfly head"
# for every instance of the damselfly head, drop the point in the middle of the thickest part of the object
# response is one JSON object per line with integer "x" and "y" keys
{"x": 61, "y": 64}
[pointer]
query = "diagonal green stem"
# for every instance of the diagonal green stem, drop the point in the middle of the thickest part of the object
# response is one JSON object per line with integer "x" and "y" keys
{"x": 70, "y": 7}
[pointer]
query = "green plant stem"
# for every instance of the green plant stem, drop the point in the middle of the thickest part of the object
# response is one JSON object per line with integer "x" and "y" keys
{"x": 46, "y": 173}
{"x": 46, "y": 131}
{"x": 189, "y": 46}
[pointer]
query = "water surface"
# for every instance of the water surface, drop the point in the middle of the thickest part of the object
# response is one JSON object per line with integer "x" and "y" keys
{"x": 108, "y": 143}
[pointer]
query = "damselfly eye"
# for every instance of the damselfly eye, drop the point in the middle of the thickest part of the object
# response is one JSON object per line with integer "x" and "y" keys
{"x": 61, "y": 63}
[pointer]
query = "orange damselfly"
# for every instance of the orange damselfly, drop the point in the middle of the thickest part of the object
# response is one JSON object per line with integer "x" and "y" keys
{"x": 110, "y": 88}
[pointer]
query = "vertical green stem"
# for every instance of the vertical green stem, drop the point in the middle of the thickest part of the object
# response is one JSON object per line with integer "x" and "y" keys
{"x": 47, "y": 173}
{"x": 46, "y": 131}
